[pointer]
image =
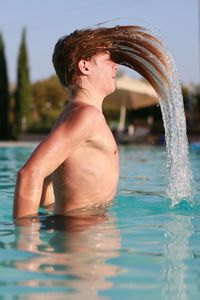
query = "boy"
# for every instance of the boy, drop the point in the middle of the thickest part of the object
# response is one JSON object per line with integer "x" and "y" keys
{"x": 77, "y": 165}
{"x": 79, "y": 157}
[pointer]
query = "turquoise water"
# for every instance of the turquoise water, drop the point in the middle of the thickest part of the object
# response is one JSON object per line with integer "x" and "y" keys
{"x": 141, "y": 249}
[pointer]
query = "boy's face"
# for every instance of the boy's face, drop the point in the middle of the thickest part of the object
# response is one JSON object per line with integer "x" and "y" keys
{"x": 103, "y": 72}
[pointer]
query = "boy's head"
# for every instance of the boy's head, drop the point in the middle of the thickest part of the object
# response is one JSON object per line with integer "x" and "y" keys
{"x": 131, "y": 46}
{"x": 70, "y": 49}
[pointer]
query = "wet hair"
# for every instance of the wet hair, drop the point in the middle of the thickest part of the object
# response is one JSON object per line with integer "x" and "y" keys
{"x": 131, "y": 46}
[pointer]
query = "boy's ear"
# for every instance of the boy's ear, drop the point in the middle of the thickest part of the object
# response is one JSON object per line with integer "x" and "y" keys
{"x": 84, "y": 66}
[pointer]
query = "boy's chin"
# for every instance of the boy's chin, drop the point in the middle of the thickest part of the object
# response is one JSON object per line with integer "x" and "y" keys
{"x": 111, "y": 91}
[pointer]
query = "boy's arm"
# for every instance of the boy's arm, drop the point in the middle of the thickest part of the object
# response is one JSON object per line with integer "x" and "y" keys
{"x": 47, "y": 157}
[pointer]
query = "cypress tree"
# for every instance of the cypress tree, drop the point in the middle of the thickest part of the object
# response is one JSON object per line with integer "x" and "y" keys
{"x": 23, "y": 90}
{"x": 4, "y": 95}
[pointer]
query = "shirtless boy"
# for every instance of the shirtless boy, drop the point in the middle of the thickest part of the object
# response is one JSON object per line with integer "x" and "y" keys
{"x": 77, "y": 164}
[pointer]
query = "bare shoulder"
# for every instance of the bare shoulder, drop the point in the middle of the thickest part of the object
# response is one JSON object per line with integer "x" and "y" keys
{"x": 83, "y": 116}
{"x": 88, "y": 113}
{"x": 79, "y": 120}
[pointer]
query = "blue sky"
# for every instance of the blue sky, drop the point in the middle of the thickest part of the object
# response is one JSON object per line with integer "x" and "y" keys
{"x": 176, "y": 21}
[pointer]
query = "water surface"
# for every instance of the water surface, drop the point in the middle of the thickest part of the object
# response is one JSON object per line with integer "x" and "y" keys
{"x": 142, "y": 248}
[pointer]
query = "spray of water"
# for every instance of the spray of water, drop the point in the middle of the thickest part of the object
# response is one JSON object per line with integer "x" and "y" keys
{"x": 178, "y": 162}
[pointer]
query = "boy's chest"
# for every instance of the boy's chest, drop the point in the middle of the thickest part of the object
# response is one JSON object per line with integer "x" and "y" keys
{"x": 105, "y": 141}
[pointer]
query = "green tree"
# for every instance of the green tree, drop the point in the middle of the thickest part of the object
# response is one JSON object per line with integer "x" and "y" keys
{"x": 49, "y": 99}
{"x": 23, "y": 97}
{"x": 4, "y": 95}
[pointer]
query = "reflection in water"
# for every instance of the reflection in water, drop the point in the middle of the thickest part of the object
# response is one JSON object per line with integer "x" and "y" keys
{"x": 74, "y": 250}
{"x": 179, "y": 229}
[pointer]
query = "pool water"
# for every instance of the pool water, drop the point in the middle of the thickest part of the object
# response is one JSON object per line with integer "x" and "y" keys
{"x": 141, "y": 249}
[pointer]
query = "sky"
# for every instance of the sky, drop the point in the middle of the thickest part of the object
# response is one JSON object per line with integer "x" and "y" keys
{"x": 175, "y": 21}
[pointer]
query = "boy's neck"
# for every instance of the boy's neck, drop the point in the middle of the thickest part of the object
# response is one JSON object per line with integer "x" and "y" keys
{"x": 88, "y": 98}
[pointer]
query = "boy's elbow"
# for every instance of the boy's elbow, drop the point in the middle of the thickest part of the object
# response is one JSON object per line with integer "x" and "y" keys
{"x": 21, "y": 173}
{"x": 29, "y": 173}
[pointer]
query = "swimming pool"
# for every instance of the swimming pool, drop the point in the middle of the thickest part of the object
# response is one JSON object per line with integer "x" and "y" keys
{"x": 141, "y": 249}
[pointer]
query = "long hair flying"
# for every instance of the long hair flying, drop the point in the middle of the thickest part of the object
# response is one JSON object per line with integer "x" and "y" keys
{"x": 131, "y": 46}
